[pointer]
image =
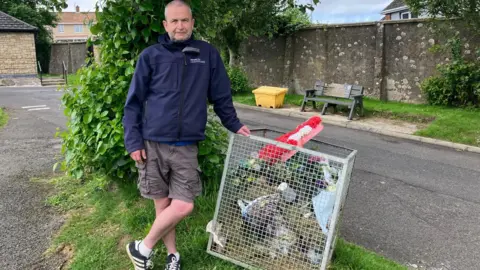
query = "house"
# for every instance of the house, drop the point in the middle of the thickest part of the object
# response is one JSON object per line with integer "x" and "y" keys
{"x": 18, "y": 65}
{"x": 398, "y": 10}
{"x": 73, "y": 26}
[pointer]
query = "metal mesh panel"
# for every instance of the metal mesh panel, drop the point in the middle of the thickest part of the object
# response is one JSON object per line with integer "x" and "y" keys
{"x": 274, "y": 214}
{"x": 337, "y": 215}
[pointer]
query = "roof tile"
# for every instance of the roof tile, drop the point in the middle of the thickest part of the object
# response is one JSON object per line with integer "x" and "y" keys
{"x": 76, "y": 17}
{"x": 10, "y": 23}
{"x": 395, "y": 4}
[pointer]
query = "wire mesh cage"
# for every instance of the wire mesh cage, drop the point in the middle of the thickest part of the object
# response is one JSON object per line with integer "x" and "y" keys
{"x": 277, "y": 213}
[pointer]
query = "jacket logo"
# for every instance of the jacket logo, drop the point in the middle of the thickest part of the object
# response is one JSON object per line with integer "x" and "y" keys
{"x": 197, "y": 61}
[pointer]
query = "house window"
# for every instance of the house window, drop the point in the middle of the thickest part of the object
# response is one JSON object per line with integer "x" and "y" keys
{"x": 60, "y": 28}
{"x": 78, "y": 28}
{"x": 406, "y": 15}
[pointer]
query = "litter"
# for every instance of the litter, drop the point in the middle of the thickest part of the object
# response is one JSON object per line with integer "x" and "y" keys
{"x": 280, "y": 199}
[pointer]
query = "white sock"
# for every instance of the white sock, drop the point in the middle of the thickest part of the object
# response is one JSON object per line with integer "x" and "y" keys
{"x": 177, "y": 255}
{"x": 144, "y": 250}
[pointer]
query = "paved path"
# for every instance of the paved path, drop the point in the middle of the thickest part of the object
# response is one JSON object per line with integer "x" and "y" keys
{"x": 415, "y": 203}
{"x": 27, "y": 149}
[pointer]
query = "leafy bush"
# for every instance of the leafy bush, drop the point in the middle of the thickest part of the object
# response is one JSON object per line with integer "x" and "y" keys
{"x": 239, "y": 80}
{"x": 212, "y": 153}
{"x": 288, "y": 22}
{"x": 93, "y": 141}
{"x": 458, "y": 83}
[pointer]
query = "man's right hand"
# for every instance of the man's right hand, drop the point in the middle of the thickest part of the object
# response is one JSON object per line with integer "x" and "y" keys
{"x": 139, "y": 156}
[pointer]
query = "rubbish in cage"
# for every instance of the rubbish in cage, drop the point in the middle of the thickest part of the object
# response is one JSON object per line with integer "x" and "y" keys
{"x": 265, "y": 218}
{"x": 264, "y": 213}
{"x": 279, "y": 203}
{"x": 315, "y": 255}
{"x": 216, "y": 231}
{"x": 289, "y": 195}
{"x": 323, "y": 206}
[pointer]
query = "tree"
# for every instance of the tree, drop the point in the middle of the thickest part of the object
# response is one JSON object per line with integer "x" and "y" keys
{"x": 288, "y": 22}
{"x": 39, "y": 13}
{"x": 467, "y": 10}
{"x": 232, "y": 22}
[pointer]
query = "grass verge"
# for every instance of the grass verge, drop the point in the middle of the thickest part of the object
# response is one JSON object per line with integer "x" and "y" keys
{"x": 3, "y": 117}
{"x": 450, "y": 124}
{"x": 73, "y": 79}
{"x": 103, "y": 218}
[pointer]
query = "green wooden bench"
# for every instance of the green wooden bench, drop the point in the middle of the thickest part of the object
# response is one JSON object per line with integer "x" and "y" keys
{"x": 350, "y": 96}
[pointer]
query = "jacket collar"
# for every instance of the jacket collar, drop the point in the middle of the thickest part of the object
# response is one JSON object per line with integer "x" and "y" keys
{"x": 168, "y": 43}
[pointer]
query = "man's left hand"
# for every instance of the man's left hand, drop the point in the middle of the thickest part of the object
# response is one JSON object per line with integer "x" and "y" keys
{"x": 244, "y": 131}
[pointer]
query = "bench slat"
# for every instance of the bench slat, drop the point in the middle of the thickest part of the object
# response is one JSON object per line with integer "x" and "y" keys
{"x": 334, "y": 90}
{"x": 357, "y": 90}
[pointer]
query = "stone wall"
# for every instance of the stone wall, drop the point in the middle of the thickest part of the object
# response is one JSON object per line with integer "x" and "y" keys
{"x": 73, "y": 54}
{"x": 265, "y": 60}
{"x": 408, "y": 60}
{"x": 17, "y": 54}
{"x": 388, "y": 58}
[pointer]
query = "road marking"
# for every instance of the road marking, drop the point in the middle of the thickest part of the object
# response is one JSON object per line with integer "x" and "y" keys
{"x": 36, "y": 106}
{"x": 38, "y": 109}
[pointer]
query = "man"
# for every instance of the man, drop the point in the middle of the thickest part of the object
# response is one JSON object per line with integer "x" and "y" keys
{"x": 164, "y": 117}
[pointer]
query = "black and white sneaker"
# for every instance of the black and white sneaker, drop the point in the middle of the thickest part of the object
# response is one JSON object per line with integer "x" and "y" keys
{"x": 139, "y": 261}
{"x": 172, "y": 263}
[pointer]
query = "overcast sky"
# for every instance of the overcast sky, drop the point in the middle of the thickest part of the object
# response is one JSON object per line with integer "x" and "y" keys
{"x": 329, "y": 11}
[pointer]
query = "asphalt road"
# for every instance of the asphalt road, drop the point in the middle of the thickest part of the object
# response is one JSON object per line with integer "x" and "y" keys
{"x": 27, "y": 150}
{"x": 412, "y": 202}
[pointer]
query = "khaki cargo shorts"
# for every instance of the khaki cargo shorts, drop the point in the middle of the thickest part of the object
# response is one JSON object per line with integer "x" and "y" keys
{"x": 170, "y": 171}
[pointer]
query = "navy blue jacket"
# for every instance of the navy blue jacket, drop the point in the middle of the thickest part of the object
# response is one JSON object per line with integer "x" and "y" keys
{"x": 167, "y": 98}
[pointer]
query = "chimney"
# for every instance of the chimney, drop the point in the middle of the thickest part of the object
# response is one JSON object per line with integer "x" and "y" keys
{"x": 77, "y": 9}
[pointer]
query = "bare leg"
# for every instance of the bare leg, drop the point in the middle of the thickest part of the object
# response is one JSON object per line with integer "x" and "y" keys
{"x": 169, "y": 239}
{"x": 166, "y": 221}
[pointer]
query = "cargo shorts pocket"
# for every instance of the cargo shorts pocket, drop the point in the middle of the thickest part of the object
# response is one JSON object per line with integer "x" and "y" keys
{"x": 197, "y": 185}
{"x": 142, "y": 184}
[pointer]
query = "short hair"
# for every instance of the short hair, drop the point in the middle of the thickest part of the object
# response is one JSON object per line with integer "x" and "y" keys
{"x": 177, "y": 3}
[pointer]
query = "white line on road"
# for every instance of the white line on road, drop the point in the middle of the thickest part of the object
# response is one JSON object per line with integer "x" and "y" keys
{"x": 36, "y": 106}
{"x": 38, "y": 109}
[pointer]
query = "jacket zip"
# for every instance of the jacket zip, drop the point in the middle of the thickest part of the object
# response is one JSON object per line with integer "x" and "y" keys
{"x": 182, "y": 101}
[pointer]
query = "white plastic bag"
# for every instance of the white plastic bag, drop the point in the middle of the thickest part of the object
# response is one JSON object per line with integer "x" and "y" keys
{"x": 323, "y": 205}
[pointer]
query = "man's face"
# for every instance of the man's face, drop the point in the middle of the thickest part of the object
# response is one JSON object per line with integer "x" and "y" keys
{"x": 178, "y": 23}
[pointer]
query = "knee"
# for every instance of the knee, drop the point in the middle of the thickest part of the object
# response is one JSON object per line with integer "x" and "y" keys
{"x": 163, "y": 203}
{"x": 182, "y": 208}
